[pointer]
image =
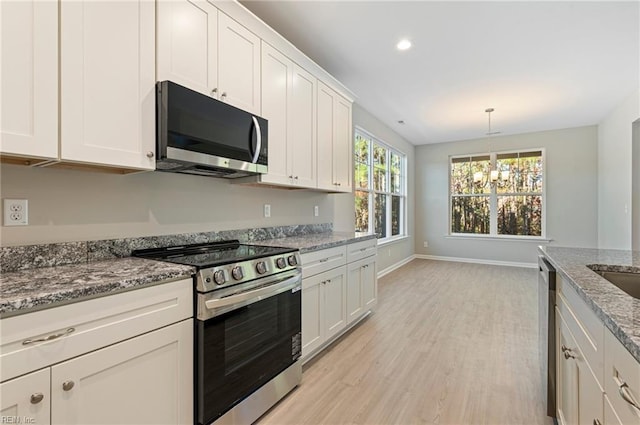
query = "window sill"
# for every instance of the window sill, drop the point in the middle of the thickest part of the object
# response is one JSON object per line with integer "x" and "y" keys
{"x": 536, "y": 239}
{"x": 392, "y": 240}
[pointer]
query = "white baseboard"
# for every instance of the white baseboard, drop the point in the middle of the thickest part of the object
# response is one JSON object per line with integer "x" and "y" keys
{"x": 395, "y": 266}
{"x": 477, "y": 261}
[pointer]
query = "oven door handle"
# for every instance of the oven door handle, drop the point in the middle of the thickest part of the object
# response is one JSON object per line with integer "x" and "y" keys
{"x": 256, "y": 294}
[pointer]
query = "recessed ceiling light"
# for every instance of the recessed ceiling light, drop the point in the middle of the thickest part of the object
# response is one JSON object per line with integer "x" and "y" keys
{"x": 403, "y": 44}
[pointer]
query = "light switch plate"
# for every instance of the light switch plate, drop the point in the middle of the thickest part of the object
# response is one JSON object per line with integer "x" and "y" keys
{"x": 267, "y": 210}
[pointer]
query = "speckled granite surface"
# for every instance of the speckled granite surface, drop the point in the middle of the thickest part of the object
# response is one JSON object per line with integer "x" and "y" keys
{"x": 317, "y": 241}
{"x": 619, "y": 311}
{"x": 28, "y": 290}
{"x": 15, "y": 258}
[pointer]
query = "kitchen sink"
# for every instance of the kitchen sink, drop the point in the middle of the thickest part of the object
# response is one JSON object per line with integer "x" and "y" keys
{"x": 628, "y": 282}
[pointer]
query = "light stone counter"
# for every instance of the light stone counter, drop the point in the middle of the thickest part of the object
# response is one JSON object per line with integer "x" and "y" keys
{"x": 619, "y": 311}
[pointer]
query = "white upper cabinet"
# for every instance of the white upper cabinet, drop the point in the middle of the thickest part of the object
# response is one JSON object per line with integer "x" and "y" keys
{"x": 334, "y": 140}
{"x": 188, "y": 44}
{"x": 289, "y": 104}
{"x": 277, "y": 75}
{"x": 107, "y": 102}
{"x": 205, "y": 50}
{"x": 29, "y": 90}
{"x": 301, "y": 149}
{"x": 238, "y": 65}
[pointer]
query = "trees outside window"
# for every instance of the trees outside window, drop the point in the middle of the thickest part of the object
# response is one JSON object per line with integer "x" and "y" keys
{"x": 380, "y": 187}
{"x": 497, "y": 194}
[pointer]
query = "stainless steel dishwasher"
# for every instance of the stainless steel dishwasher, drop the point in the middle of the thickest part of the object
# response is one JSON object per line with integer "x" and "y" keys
{"x": 547, "y": 328}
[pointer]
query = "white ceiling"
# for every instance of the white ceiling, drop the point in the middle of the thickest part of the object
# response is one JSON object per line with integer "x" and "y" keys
{"x": 541, "y": 65}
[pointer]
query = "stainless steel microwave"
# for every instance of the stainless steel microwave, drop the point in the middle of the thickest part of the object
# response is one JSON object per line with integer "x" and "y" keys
{"x": 197, "y": 134}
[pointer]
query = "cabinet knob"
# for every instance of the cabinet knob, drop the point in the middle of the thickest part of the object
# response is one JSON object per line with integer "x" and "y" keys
{"x": 568, "y": 355}
{"x": 36, "y": 398}
{"x": 68, "y": 385}
{"x": 223, "y": 95}
{"x": 597, "y": 422}
{"x": 214, "y": 91}
{"x": 296, "y": 177}
{"x": 150, "y": 154}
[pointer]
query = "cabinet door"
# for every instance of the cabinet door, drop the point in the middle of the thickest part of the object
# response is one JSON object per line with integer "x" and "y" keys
{"x": 188, "y": 43}
{"x": 335, "y": 288}
{"x": 238, "y": 65}
{"x": 369, "y": 284}
{"x": 567, "y": 377}
{"x": 277, "y": 72}
{"x": 301, "y": 147}
{"x": 326, "y": 132}
{"x": 108, "y": 83}
{"x": 26, "y": 398}
{"x": 29, "y": 90}
{"x": 144, "y": 380}
{"x": 312, "y": 305}
{"x": 342, "y": 145}
{"x": 354, "y": 291}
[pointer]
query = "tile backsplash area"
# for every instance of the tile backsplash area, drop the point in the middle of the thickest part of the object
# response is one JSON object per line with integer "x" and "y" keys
{"x": 15, "y": 258}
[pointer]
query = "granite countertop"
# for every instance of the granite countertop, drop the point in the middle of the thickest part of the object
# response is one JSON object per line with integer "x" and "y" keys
{"x": 34, "y": 289}
{"x": 27, "y": 290}
{"x": 619, "y": 311}
{"x": 317, "y": 241}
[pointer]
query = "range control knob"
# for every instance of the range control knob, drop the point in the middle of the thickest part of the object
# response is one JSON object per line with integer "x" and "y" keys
{"x": 280, "y": 263}
{"x": 236, "y": 272}
{"x": 261, "y": 267}
{"x": 218, "y": 277}
{"x": 292, "y": 260}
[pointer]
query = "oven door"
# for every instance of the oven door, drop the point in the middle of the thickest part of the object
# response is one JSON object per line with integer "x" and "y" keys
{"x": 252, "y": 337}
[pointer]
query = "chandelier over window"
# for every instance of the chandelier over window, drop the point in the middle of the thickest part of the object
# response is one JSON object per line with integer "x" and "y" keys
{"x": 491, "y": 175}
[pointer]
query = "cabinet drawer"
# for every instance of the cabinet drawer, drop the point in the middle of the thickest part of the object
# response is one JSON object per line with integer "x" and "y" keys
{"x": 621, "y": 369}
{"x": 586, "y": 327}
{"x": 88, "y": 325}
{"x": 326, "y": 259}
{"x": 359, "y": 250}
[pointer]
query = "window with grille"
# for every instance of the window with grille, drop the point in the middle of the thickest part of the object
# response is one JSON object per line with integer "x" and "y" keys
{"x": 380, "y": 187}
{"x": 498, "y": 194}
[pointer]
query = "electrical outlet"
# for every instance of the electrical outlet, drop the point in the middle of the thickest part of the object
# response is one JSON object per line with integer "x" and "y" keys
{"x": 16, "y": 212}
{"x": 267, "y": 210}
{"x": 316, "y": 211}
{"x": 426, "y": 244}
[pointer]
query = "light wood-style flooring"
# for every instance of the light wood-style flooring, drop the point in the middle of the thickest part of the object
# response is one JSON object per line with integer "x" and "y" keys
{"x": 449, "y": 343}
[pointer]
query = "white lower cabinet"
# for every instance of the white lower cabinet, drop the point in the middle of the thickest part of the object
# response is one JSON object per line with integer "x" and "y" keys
{"x": 580, "y": 398}
{"x": 144, "y": 380}
{"x": 26, "y": 399}
{"x": 339, "y": 287}
{"x": 323, "y": 308}
{"x": 121, "y": 359}
{"x": 361, "y": 287}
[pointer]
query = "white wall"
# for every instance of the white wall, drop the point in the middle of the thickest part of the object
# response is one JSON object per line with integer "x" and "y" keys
{"x": 398, "y": 251}
{"x": 68, "y": 205}
{"x": 635, "y": 186}
{"x": 614, "y": 174}
{"x": 571, "y": 199}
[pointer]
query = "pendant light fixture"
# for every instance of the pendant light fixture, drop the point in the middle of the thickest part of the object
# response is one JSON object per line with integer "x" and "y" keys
{"x": 495, "y": 174}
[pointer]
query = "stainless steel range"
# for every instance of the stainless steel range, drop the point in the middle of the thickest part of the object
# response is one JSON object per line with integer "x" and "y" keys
{"x": 247, "y": 327}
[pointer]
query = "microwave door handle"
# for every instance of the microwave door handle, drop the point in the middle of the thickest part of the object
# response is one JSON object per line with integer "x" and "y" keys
{"x": 258, "y": 131}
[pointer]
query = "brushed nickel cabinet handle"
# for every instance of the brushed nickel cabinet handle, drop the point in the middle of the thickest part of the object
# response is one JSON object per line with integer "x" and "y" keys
{"x": 568, "y": 355}
{"x": 565, "y": 349}
{"x": 36, "y": 398}
{"x": 624, "y": 393}
{"x": 48, "y": 338}
{"x": 68, "y": 385}
{"x": 597, "y": 422}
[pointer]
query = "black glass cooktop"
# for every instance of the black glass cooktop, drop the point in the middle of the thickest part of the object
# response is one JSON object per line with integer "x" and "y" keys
{"x": 210, "y": 254}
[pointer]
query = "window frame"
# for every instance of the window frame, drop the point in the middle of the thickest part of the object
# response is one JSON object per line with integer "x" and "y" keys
{"x": 493, "y": 196}
{"x": 371, "y": 191}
